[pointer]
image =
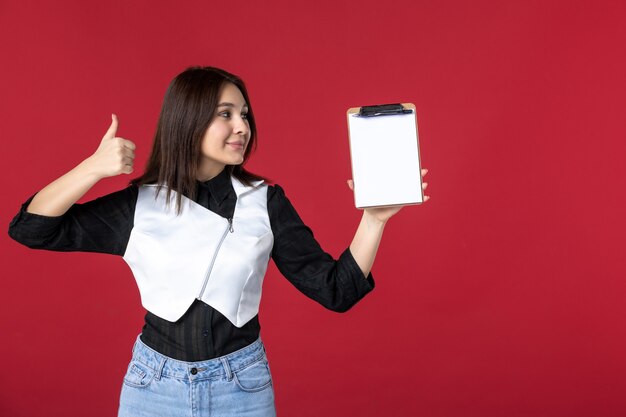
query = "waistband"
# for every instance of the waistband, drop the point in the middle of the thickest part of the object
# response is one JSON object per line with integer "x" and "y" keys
{"x": 210, "y": 369}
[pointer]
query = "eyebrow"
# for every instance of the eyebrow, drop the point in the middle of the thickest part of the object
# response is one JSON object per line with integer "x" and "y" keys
{"x": 230, "y": 105}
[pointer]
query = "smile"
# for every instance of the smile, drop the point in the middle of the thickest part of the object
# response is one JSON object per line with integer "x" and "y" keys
{"x": 236, "y": 145}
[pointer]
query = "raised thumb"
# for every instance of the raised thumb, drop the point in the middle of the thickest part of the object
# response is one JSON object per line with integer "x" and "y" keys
{"x": 113, "y": 128}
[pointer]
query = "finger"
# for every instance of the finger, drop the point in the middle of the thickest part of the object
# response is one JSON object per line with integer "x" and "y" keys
{"x": 128, "y": 153}
{"x": 127, "y": 165}
{"x": 351, "y": 184}
{"x": 113, "y": 128}
{"x": 424, "y": 172}
{"x": 426, "y": 198}
{"x": 128, "y": 144}
{"x": 424, "y": 185}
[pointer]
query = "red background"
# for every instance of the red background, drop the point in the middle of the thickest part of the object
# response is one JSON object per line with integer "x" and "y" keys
{"x": 504, "y": 295}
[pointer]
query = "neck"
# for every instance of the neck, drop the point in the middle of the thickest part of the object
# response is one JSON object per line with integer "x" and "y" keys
{"x": 208, "y": 173}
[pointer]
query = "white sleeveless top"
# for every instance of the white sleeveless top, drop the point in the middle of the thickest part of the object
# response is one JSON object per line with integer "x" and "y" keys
{"x": 199, "y": 254}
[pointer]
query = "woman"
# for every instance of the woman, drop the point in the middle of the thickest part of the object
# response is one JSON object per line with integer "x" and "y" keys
{"x": 198, "y": 230}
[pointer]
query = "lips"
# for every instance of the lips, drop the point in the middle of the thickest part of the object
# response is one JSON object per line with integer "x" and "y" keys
{"x": 236, "y": 145}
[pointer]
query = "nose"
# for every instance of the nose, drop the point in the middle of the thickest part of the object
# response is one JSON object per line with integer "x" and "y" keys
{"x": 241, "y": 126}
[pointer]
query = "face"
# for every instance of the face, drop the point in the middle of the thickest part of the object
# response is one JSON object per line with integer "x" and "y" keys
{"x": 227, "y": 137}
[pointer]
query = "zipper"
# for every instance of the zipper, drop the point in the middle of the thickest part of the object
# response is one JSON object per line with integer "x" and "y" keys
{"x": 229, "y": 228}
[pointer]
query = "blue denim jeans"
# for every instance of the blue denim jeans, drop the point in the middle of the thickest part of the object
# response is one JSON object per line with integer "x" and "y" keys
{"x": 238, "y": 384}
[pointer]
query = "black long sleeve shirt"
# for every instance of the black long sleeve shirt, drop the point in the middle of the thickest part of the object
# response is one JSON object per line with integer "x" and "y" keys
{"x": 104, "y": 225}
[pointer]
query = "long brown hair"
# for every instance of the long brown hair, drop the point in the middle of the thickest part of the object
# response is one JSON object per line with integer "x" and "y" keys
{"x": 189, "y": 107}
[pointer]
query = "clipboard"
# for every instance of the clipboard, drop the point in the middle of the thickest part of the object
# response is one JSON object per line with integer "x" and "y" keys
{"x": 384, "y": 152}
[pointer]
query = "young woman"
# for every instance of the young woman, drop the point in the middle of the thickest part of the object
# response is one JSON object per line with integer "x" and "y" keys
{"x": 198, "y": 230}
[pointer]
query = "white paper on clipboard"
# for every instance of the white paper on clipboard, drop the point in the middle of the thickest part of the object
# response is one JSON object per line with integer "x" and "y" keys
{"x": 385, "y": 158}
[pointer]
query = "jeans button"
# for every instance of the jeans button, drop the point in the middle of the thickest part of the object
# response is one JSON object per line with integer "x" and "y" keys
{"x": 194, "y": 371}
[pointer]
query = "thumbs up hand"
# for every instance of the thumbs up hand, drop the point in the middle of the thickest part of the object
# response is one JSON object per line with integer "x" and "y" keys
{"x": 114, "y": 156}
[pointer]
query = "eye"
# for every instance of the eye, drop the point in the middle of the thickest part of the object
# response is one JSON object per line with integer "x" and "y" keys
{"x": 244, "y": 116}
{"x": 225, "y": 114}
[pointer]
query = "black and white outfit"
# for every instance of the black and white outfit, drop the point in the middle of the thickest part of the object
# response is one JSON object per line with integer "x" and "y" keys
{"x": 200, "y": 272}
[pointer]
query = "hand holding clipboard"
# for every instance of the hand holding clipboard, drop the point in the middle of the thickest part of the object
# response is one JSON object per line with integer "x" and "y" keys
{"x": 385, "y": 159}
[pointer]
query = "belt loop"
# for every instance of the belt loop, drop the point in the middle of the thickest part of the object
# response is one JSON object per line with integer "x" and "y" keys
{"x": 229, "y": 373}
{"x": 159, "y": 370}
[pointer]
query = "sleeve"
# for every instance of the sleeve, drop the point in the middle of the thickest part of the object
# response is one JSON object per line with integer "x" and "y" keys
{"x": 102, "y": 225}
{"x": 336, "y": 284}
